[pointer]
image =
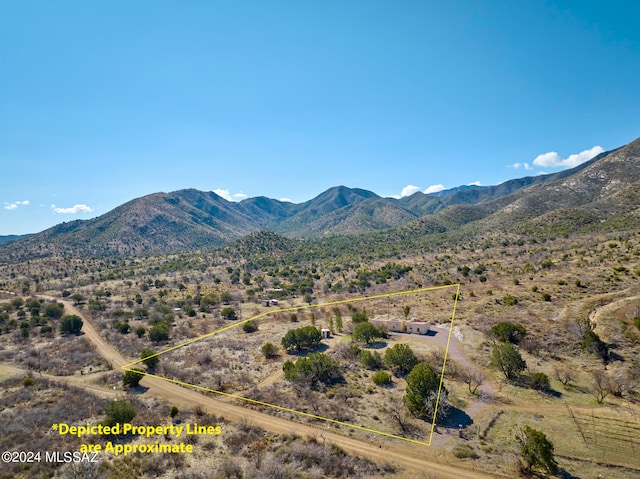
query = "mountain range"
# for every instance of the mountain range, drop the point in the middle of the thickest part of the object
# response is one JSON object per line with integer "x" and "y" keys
{"x": 603, "y": 192}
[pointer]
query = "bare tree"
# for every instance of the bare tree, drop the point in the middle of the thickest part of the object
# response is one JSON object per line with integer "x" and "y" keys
{"x": 443, "y": 405}
{"x": 400, "y": 414}
{"x": 564, "y": 374}
{"x": 600, "y": 385}
{"x": 473, "y": 379}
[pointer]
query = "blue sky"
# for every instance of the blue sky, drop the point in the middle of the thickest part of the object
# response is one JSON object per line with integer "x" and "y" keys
{"x": 103, "y": 102}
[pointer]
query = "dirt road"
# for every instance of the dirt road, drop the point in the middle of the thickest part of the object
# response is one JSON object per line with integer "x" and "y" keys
{"x": 78, "y": 381}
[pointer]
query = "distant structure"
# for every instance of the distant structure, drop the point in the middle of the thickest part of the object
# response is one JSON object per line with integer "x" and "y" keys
{"x": 270, "y": 302}
{"x": 401, "y": 326}
{"x": 326, "y": 333}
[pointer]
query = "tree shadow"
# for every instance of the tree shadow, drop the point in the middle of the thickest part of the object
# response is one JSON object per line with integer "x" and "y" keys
{"x": 138, "y": 390}
{"x": 457, "y": 419}
{"x": 564, "y": 474}
{"x": 321, "y": 348}
{"x": 376, "y": 345}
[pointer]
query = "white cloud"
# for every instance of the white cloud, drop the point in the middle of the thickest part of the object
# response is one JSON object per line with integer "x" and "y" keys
{"x": 226, "y": 194}
{"x": 475, "y": 183}
{"x": 13, "y": 206}
{"x": 74, "y": 210}
{"x": 553, "y": 160}
{"x": 526, "y": 166}
{"x": 287, "y": 200}
{"x": 223, "y": 193}
{"x": 434, "y": 189}
{"x": 409, "y": 190}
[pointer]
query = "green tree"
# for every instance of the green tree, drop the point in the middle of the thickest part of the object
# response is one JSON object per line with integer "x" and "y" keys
{"x": 132, "y": 377}
{"x": 71, "y": 324}
{"x": 540, "y": 382}
{"x": 249, "y": 327}
{"x": 338, "y": 314}
{"x": 17, "y": 303}
{"x": 77, "y": 298}
{"x": 228, "y": 313}
{"x": 508, "y": 332}
{"x": 405, "y": 311}
{"x": 367, "y": 332}
{"x": 173, "y": 412}
{"x": 54, "y": 311}
{"x": 306, "y": 337}
{"x": 359, "y": 316}
{"x": 593, "y": 344}
{"x": 269, "y": 350}
{"x": 317, "y": 370}
{"x": 400, "y": 359}
{"x": 159, "y": 332}
{"x": 119, "y": 412}
{"x": 370, "y": 360}
{"x": 122, "y": 326}
{"x": 149, "y": 358}
{"x": 507, "y": 358}
{"x": 536, "y": 451}
{"x": 422, "y": 383}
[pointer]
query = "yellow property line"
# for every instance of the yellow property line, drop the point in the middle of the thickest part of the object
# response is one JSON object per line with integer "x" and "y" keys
{"x": 127, "y": 367}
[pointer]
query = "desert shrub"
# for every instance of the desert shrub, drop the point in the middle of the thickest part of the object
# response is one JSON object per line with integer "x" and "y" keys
{"x": 159, "y": 332}
{"x": 228, "y": 313}
{"x": 53, "y": 311}
{"x": 132, "y": 378}
{"x": 317, "y": 369}
{"x": 381, "y": 378}
{"x": 119, "y": 412}
{"x": 508, "y": 332}
{"x": 370, "y": 360}
{"x": 540, "y": 382}
{"x": 510, "y": 300}
{"x": 269, "y": 350}
{"x": 149, "y": 358}
{"x": 464, "y": 451}
{"x": 70, "y": 324}
{"x": 249, "y": 327}
{"x": 122, "y": 327}
{"x": 593, "y": 344}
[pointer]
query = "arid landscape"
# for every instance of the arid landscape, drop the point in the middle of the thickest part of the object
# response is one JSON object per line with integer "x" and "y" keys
{"x": 291, "y": 343}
